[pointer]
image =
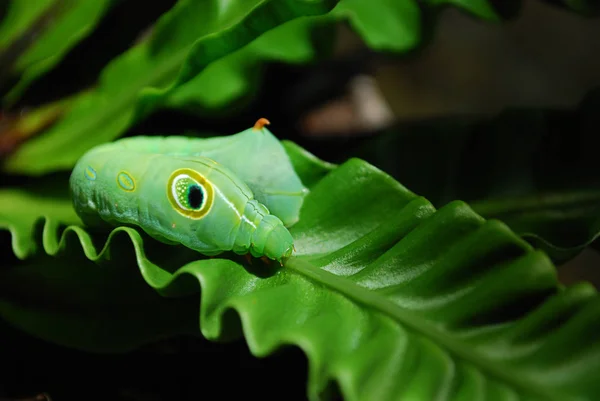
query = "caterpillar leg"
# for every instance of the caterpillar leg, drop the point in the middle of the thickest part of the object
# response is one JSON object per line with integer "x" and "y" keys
{"x": 248, "y": 257}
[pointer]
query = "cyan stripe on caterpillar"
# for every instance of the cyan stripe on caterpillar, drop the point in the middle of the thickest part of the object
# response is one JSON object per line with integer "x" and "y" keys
{"x": 168, "y": 187}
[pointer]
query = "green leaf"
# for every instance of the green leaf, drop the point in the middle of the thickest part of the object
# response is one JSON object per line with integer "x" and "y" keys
{"x": 19, "y": 16}
{"x": 18, "y": 127}
{"x": 185, "y": 41}
{"x": 536, "y": 170}
{"x": 22, "y": 207}
{"x": 570, "y": 219}
{"x": 585, "y": 7}
{"x": 75, "y": 20}
{"x": 310, "y": 168}
{"x": 481, "y": 8}
{"x": 384, "y": 25}
{"x": 213, "y": 76}
{"x": 386, "y": 295}
{"x": 239, "y": 73}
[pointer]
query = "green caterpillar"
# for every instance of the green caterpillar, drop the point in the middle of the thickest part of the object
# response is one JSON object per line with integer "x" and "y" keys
{"x": 236, "y": 193}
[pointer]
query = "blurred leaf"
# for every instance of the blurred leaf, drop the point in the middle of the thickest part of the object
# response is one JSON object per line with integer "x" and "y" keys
{"x": 20, "y": 16}
{"x": 74, "y": 22}
{"x": 82, "y": 300}
{"x": 386, "y": 295}
{"x": 239, "y": 73}
{"x": 18, "y": 127}
{"x": 585, "y": 7}
{"x": 383, "y": 24}
{"x": 78, "y": 303}
{"x": 562, "y": 224}
{"x": 213, "y": 76}
{"x": 481, "y": 8}
{"x": 185, "y": 41}
{"x": 390, "y": 25}
{"x": 535, "y": 170}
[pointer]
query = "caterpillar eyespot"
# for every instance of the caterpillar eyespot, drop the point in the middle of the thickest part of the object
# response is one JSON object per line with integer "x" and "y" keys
{"x": 190, "y": 193}
{"x": 235, "y": 193}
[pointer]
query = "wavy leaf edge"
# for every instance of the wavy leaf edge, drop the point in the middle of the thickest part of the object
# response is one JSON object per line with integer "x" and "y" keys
{"x": 54, "y": 247}
{"x": 164, "y": 281}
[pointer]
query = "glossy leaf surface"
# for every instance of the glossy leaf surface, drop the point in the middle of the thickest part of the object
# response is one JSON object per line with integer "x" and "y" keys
{"x": 386, "y": 295}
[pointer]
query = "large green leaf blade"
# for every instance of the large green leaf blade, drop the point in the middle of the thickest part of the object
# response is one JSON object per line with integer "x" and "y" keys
{"x": 186, "y": 40}
{"x": 400, "y": 301}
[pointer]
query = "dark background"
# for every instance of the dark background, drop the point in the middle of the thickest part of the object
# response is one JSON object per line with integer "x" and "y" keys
{"x": 475, "y": 112}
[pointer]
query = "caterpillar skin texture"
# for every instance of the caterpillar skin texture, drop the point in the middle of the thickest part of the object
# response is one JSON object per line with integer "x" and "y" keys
{"x": 254, "y": 155}
{"x": 193, "y": 201}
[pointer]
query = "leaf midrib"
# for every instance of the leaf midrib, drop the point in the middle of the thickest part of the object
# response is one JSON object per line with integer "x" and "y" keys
{"x": 407, "y": 318}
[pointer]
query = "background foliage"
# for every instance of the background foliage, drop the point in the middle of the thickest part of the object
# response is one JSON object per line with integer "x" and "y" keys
{"x": 75, "y": 73}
